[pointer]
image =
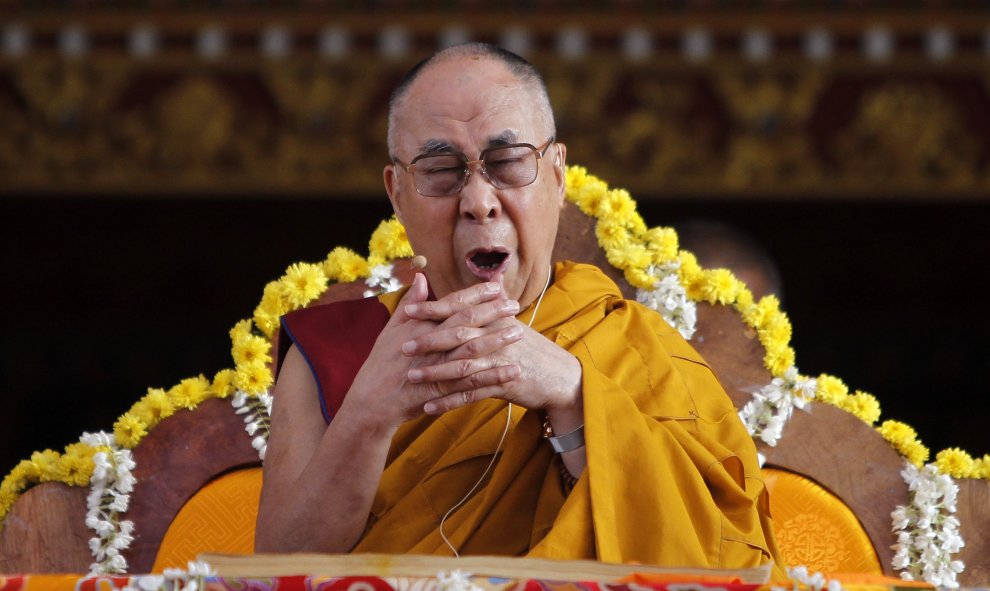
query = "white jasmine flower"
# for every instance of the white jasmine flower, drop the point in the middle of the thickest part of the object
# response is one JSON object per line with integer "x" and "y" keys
{"x": 201, "y": 568}
{"x": 120, "y": 501}
{"x": 456, "y": 580}
{"x": 150, "y": 582}
{"x": 99, "y": 439}
{"x": 669, "y": 298}
{"x": 101, "y": 466}
{"x": 927, "y": 532}
{"x": 118, "y": 564}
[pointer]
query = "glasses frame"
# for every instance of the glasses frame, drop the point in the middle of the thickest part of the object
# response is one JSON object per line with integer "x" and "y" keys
{"x": 538, "y": 152}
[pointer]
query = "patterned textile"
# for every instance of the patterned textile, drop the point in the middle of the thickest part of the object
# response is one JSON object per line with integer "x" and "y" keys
{"x": 815, "y": 528}
{"x": 314, "y": 583}
{"x": 219, "y": 518}
{"x": 672, "y": 582}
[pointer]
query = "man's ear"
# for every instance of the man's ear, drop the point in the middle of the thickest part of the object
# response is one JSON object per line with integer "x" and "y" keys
{"x": 391, "y": 179}
{"x": 560, "y": 171}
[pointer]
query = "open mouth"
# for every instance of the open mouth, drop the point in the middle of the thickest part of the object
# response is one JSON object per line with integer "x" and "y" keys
{"x": 485, "y": 264}
{"x": 488, "y": 261}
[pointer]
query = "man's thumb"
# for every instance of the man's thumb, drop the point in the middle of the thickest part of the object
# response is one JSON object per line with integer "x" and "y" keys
{"x": 416, "y": 293}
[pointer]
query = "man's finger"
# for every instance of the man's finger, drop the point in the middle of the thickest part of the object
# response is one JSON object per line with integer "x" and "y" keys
{"x": 484, "y": 384}
{"x": 463, "y": 342}
{"x": 453, "y": 303}
{"x": 416, "y": 293}
{"x": 450, "y": 370}
{"x": 465, "y": 397}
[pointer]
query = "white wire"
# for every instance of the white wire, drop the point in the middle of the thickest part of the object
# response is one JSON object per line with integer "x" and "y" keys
{"x": 505, "y": 431}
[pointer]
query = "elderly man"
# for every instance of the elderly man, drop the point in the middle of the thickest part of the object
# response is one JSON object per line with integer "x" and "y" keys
{"x": 501, "y": 404}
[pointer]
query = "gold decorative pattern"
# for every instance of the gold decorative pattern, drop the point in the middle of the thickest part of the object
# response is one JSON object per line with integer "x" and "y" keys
{"x": 815, "y": 528}
{"x": 312, "y": 123}
{"x": 219, "y": 518}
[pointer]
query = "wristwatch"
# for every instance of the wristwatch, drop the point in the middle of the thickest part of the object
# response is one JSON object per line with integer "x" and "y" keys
{"x": 564, "y": 443}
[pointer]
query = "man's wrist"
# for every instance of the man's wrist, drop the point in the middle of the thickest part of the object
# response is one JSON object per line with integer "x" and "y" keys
{"x": 569, "y": 416}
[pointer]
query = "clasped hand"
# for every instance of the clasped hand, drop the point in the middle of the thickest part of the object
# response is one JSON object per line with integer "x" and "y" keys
{"x": 434, "y": 356}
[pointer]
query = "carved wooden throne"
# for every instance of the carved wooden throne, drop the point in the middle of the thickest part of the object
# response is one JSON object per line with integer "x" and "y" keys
{"x": 834, "y": 480}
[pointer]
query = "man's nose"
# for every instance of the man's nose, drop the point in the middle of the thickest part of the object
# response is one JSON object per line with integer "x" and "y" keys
{"x": 479, "y": 198}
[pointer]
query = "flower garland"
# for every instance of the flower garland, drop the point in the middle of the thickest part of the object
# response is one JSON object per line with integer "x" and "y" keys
{"x": 192, "y": 578}
{"x": 669, "y": 298}
{"x": 799, "y": 575}
{"x": 112, "y": 482}
{"x": 668, "y": 280}
{"x": 927, "y": 532}
{"x": 257, "y": 411}
{"x": 456, "y": 580}
{"x": 772, "y": 405}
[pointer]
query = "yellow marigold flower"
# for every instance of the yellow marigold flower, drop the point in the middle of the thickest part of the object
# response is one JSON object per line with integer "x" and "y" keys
{"x": 77, "y": 463}
{"x": 7, "y": 499}
{"x": 154, "y": 407}
{"x": 720, "y": 287}
{"x": 303, "y": 283}
{"x": 744, "y": 300}
{"x": 631, "y": 255}
{"x": 695, "y": 288}
{"x": 253, "y": 378}
{"x": 47, "y": 463}
{"x": 662, "y": 244}
{"x": 269, "y": 312}
{"x": 129, "y": 430}
{"x": 915, "y": 452}
{"x": 689, "y": 268}
{"x": 343, "y": 264}
{"x": 585, "y": 190}
{"x": 24, "y": 474}
{"x": 611, "y": 235}
{"x": 250, "y": 347}
{"x": 190, "y": 392}
{"x": 389, "y": 241}
{"x": 981, "y": 467}
{"x": 636, "y": 225}
{"x": 896, "y": 432}
{"x": 775, "y": 331}
{"x": 691, "y": 274}
{"x": 865, "y": 406}
{"x": 831, "y": 390}
{"x": 954, "y": 462}
{"x": 223, "y": 383}
{"x": 617, "y": 206}
{"x": 574, "y": 177}
{"x": 779, "y": 361}
{"x": 765, "y": 311}
{"x": 639, "y": 278}
{"x": 77, "y": 471}
{"x": 241, "y": 330}
{"x": 778, "y": 326}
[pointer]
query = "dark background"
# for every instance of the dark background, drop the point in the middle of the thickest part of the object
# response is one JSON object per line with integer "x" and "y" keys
{"x": 101, "y": 299}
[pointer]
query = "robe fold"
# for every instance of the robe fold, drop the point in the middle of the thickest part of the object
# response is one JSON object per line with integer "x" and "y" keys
{"x": 672, "y": 476}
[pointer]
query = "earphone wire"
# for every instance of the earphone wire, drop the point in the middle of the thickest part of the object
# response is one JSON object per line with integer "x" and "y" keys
{"x": 505, "y": 432}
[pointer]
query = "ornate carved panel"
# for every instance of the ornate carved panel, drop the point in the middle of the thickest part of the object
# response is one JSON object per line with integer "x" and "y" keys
{"x": 292, "y": 101}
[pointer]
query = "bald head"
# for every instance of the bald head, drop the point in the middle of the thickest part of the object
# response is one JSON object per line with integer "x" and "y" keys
{"x": 523, "y": 71}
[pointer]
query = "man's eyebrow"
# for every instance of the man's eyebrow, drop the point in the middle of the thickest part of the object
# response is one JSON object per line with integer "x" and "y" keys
{"x": 503, "y": 139}
{"x": 435, "y": 146}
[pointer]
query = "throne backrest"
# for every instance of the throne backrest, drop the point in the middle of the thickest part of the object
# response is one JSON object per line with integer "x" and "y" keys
{"x": 45, "y": 530}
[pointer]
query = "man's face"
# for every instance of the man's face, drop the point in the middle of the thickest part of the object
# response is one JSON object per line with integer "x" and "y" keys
{"x": 482, "y": 233}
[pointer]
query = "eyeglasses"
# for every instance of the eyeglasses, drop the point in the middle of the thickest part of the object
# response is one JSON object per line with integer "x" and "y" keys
{"x": 505, "y": 167}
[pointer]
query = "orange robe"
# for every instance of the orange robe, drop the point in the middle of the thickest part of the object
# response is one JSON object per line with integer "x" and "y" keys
{"x": 672, "y": 476}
